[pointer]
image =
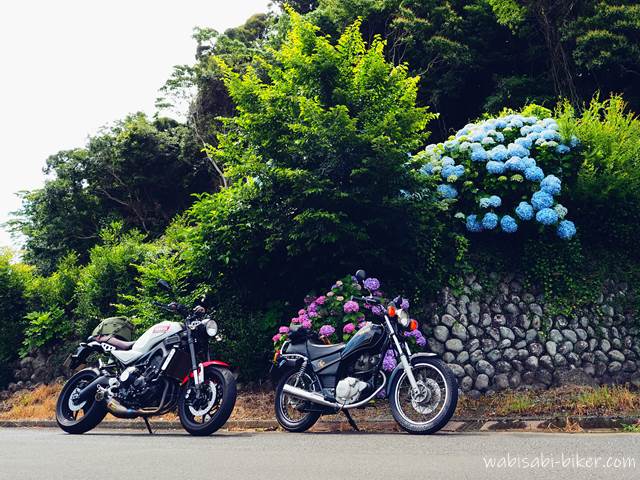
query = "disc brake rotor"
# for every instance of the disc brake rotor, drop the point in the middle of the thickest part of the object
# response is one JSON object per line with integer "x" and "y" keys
{"x": 203, "y": 410}
{"x": 428, "y": 397}
{"x": 72, "y": 405}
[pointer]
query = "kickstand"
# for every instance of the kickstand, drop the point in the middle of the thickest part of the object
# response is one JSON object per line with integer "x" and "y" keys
{"x": 351, "y": 421}
{"x": 146, "y": 422}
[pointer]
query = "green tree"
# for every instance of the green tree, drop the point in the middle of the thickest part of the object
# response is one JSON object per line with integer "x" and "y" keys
{"x": 138, "y": 171}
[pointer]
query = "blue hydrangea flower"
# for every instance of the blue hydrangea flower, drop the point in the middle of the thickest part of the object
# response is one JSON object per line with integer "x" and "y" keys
{"x": 562, "y": 149}
{"x": 479, "y": 154}
{"x": 515, "y": 163}
{"x": 541, "y": 200}
{"x": 526, "y": 130}
{"x": 537, "y": 128}
{"x": 551, "y": 185}
{"x": 464, "y": 146}
{"x": 534, "y": 174}
{"x": 550, "y": 135}
{"x": 498, "y": 153}
{"x": 427, "y": 169}
{"x": 524, "y": 211}
{"x": 473, "y": 225}
{"x": 501, "y": 123}
{"x": 508, "y": 224}
{"x": 517, "y": 150}
{"x": 561, "y": 210}
{"x": 487, "y": 141}
{"x": 493, "y": 201}
{"x": 450, "y": 145}
{"x": 566, "y": 229}
{"x": 489, "y": 221}
{"x": 495, "y": 168}
{"x": 547, "y": 216}
{"x": 448, "y": 161}
{"x": 447, "y": 191}
{"x": 452, "y": 171}
{"x": 525, "y": 142}
{"x": 528, "y": 162}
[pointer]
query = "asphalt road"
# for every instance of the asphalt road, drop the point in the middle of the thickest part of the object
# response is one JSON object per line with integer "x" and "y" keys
{"x": 107, "y": 454}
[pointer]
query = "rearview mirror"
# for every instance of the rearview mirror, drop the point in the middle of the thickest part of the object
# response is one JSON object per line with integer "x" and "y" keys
{"x": 361, "y": 275}
{"x": 164, "y": 285}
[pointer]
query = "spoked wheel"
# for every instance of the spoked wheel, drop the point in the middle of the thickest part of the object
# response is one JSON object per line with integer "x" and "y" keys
{"x": 205, "y": 413}
{"x": 78, "y": 417}
{"x": 432, "y": 406}
{"x": 290, "y": 411}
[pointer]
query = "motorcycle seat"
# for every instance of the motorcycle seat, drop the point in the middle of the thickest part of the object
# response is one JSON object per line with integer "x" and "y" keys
{"x": 116, "y": 342}
{"x": 317, "y": 350}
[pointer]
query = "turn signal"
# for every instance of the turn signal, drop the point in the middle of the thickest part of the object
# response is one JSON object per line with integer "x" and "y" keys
{"x": 391, "y": 311}
{"x": 413, "y": 325}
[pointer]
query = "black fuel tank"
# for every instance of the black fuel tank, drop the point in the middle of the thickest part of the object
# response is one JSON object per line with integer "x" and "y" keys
{"x": 369, "y": 337}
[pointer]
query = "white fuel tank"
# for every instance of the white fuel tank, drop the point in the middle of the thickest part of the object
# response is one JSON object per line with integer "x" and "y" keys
{"x": 148, "y": 340}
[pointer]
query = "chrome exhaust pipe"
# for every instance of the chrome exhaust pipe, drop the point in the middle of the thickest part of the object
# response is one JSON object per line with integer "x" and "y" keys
{"x": 309, "y": 396}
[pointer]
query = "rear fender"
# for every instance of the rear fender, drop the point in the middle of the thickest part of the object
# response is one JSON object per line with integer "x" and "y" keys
{"x": 214, "y": 363}
{"x": 82, "y": 352}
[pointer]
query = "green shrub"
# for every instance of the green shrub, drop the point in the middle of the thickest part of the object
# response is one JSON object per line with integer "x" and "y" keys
{"x": 13, "y": 305}
{"x": 45, "y": 328}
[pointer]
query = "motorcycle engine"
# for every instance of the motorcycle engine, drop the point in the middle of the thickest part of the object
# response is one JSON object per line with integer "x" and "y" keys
{"x": 135, "y": 386}
{"x": 365, "y": 363}
{"x": 349, "y": 389}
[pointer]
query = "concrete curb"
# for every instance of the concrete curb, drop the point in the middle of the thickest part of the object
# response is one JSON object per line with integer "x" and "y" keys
{"x": 457, "y": 425}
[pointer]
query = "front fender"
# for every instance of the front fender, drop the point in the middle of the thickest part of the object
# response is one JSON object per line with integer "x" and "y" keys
{"x": 214, "y": 363}
{"x": 415, "y": 358}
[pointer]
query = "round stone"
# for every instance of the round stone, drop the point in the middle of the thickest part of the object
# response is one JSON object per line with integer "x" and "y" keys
{"x": 581, "y": 346}
{"x": 551, "y": 347}
{"x": 448, "y": 357}
{"x": 559, "y": 360}
{"x": 457, "y": 370}
{"x": 454, "y": 345}
{"x": 488, "y": 344}
{"x": 469, "y": 370}
{"x": 441, "y": 333}
{"x": 459, "y": 331}
{"x": 536, "y": 349}
{"x": 475, "y": 356}
{"x": 499, "y": 319}
{"x": 605, "y": 345}
{"x": 506, "y": 332}
{"x": 482, "y": 382}
{"x": 466, "y": 383}
{"x": 545, "y": 377}
{"x": 509, "y": 353}
{"x": 515, "y": 380}
{"x": 570, "y": 335}
{"x": 535, "y": 309}
{"x": 503, "y": 367}
{"x": 435, "y": 346}
{"x": 531, "y": 363}
{"x": 501, "y": 381}
{"x": 555, "y": 336}
{"x": 473, "y": 345}
{"x": 447, "y": 320}
{"x": 616, "y": 355}
{"x": 614, "y": 367}
{"x": 485, "y": 367}
{"x": 494, "y": 355}
{"x": 546, "y": 362}
{"x": 629, "y": 366}
{"x": 463, "y": 357}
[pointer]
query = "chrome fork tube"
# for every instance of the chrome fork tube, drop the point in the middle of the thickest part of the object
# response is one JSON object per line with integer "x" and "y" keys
{"x": 403, "y": 357}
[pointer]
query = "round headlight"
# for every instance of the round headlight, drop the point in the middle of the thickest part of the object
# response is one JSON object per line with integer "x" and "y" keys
{"x": 212, "y": 328}
{"x": 403, "y": 318}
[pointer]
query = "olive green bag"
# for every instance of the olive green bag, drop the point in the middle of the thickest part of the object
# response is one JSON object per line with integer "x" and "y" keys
{"x": 120, "y": 327}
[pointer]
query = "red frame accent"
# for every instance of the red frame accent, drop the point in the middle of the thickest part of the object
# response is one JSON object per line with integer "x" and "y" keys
{"x": 205, "y": 365}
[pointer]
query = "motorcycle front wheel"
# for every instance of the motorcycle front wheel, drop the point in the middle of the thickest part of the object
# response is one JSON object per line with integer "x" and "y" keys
{"x": 429, "y": 409}
{"x": 77, "y": 418}
{"x": 203, "y": 414}
{"x": 289, "y": 409}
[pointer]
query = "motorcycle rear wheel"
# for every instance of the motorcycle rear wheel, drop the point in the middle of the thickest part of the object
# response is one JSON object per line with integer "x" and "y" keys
{"x": 288, "y": 412}
{"x": 68, "y": 415}
{"x": 213, "y": 412}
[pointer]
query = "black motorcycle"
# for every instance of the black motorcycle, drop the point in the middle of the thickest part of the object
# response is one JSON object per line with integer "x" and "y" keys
{"x": 317, "y": 379}
{"x": 169, "y": 366}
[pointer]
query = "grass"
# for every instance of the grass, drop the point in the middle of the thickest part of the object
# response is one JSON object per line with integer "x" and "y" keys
{"x": 633, "y": 428}
{"x": 258, "y": 405}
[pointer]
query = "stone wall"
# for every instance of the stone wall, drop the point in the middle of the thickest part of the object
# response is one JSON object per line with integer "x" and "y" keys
{"x": 502, "y": 336}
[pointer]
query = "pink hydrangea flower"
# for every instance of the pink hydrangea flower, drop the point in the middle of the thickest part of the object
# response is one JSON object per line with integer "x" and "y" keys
{"x": 276, "y": 338}
{"x": 306, "y": 324}
{"x": 302, "y": 311}
{"x": 320, "y": 300}
{"x": 283, "y": 330}
{"x": 349, "y": 328}
{"x": 351, "y": 307}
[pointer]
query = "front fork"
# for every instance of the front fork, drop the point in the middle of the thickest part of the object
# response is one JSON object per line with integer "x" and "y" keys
{"x": 404, "y": 354}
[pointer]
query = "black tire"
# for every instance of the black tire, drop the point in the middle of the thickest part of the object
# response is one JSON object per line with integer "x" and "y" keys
{"x": 305, "y": 422}
{"x": 93, "y": 411}
{"x": 225, "y": 385}
{"x": 444, "y": 413}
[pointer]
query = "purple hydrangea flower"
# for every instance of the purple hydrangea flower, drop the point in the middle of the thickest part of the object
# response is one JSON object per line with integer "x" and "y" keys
{"x": 389, "y": 361}
{"x": 351, "y": 307}
{"x": 326, "y": 330}
{"x": 404, "y": 304}
{"x": 320, "y": 300}
{"x": 372, "y": 283}
{"x": 377, "y": 310}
